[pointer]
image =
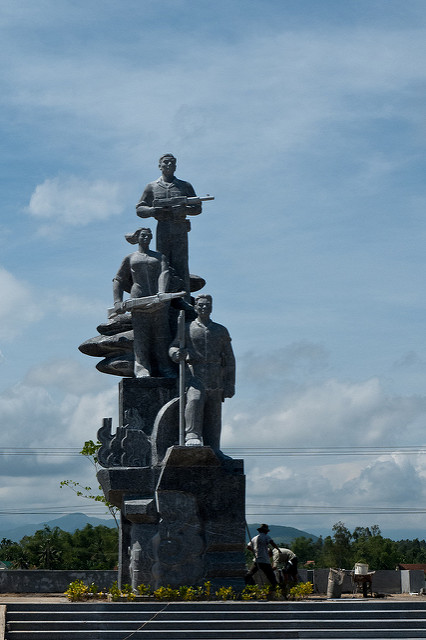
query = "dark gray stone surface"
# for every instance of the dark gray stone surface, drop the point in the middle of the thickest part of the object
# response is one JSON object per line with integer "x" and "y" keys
{"x": 118, "y": 483}
{"x": 104, "y": 345}
{"x": 122, "y": 364}
{"x": 140, "y": 402}
{"x": 182, "y": 522}
{"x": 146, "y": 396}
{"x": 44, "y": 581}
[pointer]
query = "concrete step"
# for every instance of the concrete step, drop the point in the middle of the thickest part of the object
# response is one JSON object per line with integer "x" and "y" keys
{"x": 206, "y": 634}
{"x": 250, "y": 622}
{"x": 217, "y": 621}
{"x": 214, "y": 616}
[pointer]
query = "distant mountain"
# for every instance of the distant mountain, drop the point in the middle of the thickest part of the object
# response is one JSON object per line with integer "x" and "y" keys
{"x": 67, "y": 523}
{"x": 73, "y": 521}
{"x": 281, "y": 535}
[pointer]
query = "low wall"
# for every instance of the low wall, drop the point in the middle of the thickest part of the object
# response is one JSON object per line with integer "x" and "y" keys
{"x": 387, "y": 581}
{"x": 39, "y": 581}
{"x": 412, "y": 581}
{"x": 384, "y": 581}
{"x": 43, "y": 581}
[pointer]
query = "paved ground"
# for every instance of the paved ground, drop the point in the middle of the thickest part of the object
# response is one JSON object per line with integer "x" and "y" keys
{"x": 6, "y": 598}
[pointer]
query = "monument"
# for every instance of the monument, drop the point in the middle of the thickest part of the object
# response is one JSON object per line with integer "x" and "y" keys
{"x": 182, "y": 501}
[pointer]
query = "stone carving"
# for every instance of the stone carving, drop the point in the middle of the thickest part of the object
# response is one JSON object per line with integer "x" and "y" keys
{"x": 145, "y": 275}
{"x": 166, "y": 200}
{"x": 178, "y": 545}
{"x": 128, "y": 447}
{"x": 211, "y": 375}
{"x": 182, "y": 507}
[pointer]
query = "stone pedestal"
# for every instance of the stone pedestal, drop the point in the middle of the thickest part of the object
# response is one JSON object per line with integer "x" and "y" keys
{"x": 182, "y": 508}
{"x": 182, "y": 522}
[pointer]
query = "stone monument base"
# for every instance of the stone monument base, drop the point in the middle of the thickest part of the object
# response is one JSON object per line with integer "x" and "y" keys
{"x": 182, "y": 521}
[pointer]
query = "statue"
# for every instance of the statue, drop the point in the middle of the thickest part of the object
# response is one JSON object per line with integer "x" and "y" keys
{"x": 211, "y": 363}
{"x": 145, "y": 275}
{"x": 181, "y": 500}
{"x": 169, "y": 201}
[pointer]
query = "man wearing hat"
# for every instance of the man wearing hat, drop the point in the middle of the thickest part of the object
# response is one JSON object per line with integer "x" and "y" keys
{"x": 259, "y": 546}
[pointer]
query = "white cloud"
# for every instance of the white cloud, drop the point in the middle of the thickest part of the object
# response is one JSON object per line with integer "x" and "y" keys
{"x": 296, "y": 407}
{"x": 392, "y": 481}
{"x": 66, "y": 375}
{"x": 73, "y": 201}
{"x": 328, "y": 413}
{"x": 19, "y": 307}
{"x": 71, "y": 305}
{"x": 59, "y": 405}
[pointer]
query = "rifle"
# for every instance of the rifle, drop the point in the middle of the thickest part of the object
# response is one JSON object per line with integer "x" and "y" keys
{"x": 143, "y": 303}
{"x": 181, "y": 338}
{"x": 178, "y": 201}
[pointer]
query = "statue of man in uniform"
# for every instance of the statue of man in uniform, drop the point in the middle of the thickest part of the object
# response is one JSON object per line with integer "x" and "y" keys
{"x": 145, "y": 273}
{"x": 211, "y": 363}
{"x": 173, "y": 226}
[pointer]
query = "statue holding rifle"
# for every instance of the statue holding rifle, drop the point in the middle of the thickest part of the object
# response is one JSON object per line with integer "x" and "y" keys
{"x": 169, "y": 200}
{"x": 145, "y": 275}
{"x": 210, "y": 374}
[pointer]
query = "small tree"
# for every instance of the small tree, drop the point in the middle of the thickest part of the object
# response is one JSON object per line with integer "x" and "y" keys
{"x": 89, "y": 451}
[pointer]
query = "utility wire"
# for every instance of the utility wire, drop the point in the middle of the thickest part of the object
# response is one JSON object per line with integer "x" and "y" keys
{"x": 242, "y": 452}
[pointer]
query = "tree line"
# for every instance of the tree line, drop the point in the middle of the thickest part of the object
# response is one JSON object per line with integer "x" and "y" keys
{"x": 51, "y": 548}
{"x": 97, "y": 548}
{"x": 364, "y": 544}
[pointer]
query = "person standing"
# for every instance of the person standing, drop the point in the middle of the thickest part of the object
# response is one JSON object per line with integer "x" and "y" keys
{"x": 259, "y": 545}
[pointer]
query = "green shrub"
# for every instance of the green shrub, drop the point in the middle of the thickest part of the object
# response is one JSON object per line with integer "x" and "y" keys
{"x": 114, "y": 591}
{"x": 226, "y": 593}
{"x": 93, "y": 589}
{"x": 127, "y": 591}
{"x": 301, "y": 590}
{"x": 255, "y": 592}
{"x": 166, "y": 593}
{"x": 144, "y": 589}
{"x": 77, "y": 590}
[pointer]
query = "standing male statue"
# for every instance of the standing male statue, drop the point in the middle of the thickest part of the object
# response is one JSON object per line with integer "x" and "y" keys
{"x": 165, "y": 200}
{"x": 211, "y": 363}
{"x": 146, "y": 273}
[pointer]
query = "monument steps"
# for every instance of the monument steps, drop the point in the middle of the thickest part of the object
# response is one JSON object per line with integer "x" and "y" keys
{"x": 216, "y": 620}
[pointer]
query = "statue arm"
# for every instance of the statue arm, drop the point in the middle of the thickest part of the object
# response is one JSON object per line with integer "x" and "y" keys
{"x": 163, "y": 280}
{"x": 144, "y": 208}
{"x": 228, "y": 363}
{"x": 175, "y": 352}
{"x": 122, "y": 281}
{"x": 117, "y": 289}
{"x": 193, "y": 209}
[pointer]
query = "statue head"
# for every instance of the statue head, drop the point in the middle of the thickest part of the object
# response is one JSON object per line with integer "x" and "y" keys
{"x": 167, "y": 164}
{"x": 203, "y": 305}
{"x": 142, "y": 233}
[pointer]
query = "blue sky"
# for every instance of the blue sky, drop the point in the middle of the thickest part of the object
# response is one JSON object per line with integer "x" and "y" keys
{"x": 306, "y": 121}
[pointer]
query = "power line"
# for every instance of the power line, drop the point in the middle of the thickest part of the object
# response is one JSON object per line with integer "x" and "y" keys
{"x": 324, "y": 451}
{"x": 253, "y": 509}
{"x": 241, "y": 452}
